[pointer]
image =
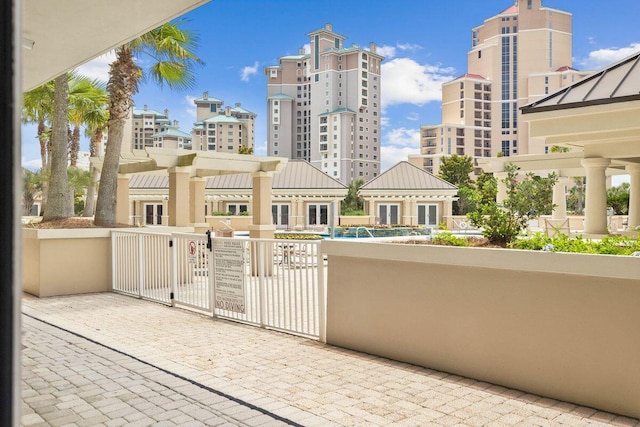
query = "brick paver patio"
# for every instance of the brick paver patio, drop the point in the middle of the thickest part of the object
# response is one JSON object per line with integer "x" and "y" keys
{"x": 107, "y": 359}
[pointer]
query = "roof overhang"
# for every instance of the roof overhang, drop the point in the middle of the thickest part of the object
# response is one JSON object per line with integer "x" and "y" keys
{"x": 59, "y": 36}
{"x": 200, "y": 163}
{"x": 563, "y": 164}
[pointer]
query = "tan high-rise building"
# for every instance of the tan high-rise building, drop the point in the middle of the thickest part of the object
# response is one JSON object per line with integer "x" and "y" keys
{"x": 324, "y": 107}
{"x": 516, "y": 57}
{"x": 220, "y": 128}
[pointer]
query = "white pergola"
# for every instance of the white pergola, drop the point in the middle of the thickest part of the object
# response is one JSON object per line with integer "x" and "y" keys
{"x": 598, "y": 117}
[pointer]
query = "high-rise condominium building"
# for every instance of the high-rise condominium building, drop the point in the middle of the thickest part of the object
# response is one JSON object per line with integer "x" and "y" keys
{"x": 516, "y": 57}
{"x": 324, "y": 107}
{"x": 145, "y": 124}
{"x": 223, "y": 129}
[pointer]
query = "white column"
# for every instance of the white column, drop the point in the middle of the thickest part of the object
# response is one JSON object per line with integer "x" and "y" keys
{"x": 560, "y": 199}
{"x": 595, "y": 221}
{"x": 634, "y": 196}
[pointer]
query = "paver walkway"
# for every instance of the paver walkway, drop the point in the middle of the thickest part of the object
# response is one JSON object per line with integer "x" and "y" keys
{"x": 107, "y": 359}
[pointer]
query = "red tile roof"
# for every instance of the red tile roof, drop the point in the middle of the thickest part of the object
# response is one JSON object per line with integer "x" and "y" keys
{"x": 509, "y": 10}
{"x": 470, "y": 76}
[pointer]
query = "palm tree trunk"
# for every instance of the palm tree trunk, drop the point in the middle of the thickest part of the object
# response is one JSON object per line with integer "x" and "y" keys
{"x": 123, "y": 84}
{"x": 58, "y": 194}
{"x": 89, "y": 203}
{"x": 74, "y": 146}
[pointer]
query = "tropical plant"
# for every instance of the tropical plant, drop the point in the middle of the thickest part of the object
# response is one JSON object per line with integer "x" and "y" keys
{"x": 87, "y": 103}
{"x": 171, "y": 49}
{"x": 243, "y": 149}
{"x": 78, "y": 180}
{"x": 457, "y": 170}
{"x": 609, "y": 245}
{"x": 353, "y": 203}
{"x": 527, "y": 198}
{"x": 96, "y": 125}
{"x": 618, "y": 198}
{"x": 37, "y": 107}
{"x": 32, "y": 188}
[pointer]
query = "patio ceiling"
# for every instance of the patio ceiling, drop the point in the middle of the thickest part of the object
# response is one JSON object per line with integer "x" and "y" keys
{"x": 59, "y": 35}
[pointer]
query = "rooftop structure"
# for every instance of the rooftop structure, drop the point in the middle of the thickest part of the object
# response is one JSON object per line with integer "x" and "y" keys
{"x": 517, "y": 56}
{"x": 324, "y": 107}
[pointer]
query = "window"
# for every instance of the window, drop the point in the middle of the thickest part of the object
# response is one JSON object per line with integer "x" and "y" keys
{"x": 388, "y": 213}
{"x": 318, "y": 214}
{"x": 237, "y": 208}
{"x": 280, "y": 215}
{"x": 427, "y": 214}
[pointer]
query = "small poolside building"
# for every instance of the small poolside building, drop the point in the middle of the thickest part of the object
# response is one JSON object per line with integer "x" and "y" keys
{"x": 408, "y": 195}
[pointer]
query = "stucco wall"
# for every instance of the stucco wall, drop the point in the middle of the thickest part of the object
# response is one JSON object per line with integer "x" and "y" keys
{"x": 64, "y": 262}
{"x": 548, "y": 324}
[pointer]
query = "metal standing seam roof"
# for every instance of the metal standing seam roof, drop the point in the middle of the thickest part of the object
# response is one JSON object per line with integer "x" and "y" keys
{"x": 148, "y": 112}
{"x": 281, "y": 96}
{"x": 297, "y": 174}
{"x": 619, "y": 82}
{"x": 221, "y": 118}
{"x": 173, "y": 132}
{"x": 209, "y": 100}
{"x": 405, "y": 176}
{"x": 339, "y": 110}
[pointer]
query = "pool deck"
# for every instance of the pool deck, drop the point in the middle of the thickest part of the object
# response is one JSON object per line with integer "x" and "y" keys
{"x": 109, "y": 360}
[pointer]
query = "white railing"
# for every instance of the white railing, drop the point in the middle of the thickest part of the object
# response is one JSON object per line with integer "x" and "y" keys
{"x": 283, "y": 281}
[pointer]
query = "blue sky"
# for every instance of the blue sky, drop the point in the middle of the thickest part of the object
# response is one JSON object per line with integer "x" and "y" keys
{"x": 423, "y": 48}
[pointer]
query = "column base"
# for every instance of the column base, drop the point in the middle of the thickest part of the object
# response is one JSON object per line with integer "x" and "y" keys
{"x": 262, "y": 231}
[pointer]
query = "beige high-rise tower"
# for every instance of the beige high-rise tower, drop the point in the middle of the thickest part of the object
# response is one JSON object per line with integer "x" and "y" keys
{"x": 324, "y": 107}
{"x": 516, "y": 57}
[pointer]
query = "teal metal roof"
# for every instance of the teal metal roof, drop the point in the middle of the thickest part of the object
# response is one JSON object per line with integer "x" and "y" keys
{"x": 241, "y": 110}
{"x": 174, "y": 132}
{"x": 211, "y": 100}
{"x": 295, "y": 56}
{"x": 221, "y": 118}
{"x": 280, "y": 96}
{"x": 338, "y": 111}
{"x": 148, "y": 112}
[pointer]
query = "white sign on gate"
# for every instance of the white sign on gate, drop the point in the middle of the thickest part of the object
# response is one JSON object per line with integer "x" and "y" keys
{"x": 229, "y": 278}
{"x": 192, "y": 251}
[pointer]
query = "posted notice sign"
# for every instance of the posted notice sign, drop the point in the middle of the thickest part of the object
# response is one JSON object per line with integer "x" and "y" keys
{"x": 229, "y": 279}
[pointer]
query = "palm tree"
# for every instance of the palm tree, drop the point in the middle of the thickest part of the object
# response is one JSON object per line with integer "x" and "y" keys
{"x": 37, "y": 107}
{"x": 58, "y": 193}
{"x": 32, "y": 187}
{"x": 171, "y": 48}
{"x": 78, "y": 180}
{"x": 87, "y": 99}
{"x": 96, "y": 125}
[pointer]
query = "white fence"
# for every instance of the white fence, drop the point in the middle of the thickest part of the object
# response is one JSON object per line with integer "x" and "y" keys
{"x": 278, "y": 284}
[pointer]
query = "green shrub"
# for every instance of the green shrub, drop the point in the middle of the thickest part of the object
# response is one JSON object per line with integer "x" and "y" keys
{"x": 610, "y": 245}
{"x": 292, "y": 236}
{"x": 448, "y": 239}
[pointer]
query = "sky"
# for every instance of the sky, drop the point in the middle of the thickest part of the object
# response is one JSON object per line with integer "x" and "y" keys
{"x": 425, "y": 43}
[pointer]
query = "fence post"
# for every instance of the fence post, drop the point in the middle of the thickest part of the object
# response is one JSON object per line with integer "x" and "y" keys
{"x": 262, "y": 294}
{"x": 114, "y": 259}
{"x": 173, "y": 269}
{"x": 211, "y": 275}
{"x": 141, "y": 265}
{"x": 322, "y": 299}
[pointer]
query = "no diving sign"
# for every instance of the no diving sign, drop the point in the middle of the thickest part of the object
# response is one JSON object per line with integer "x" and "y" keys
{"x": 193, "y": 248}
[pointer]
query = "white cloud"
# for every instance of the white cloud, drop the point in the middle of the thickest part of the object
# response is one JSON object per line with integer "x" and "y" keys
{"x": 248, "y": 71}
{"x": 413, "y": 116}
{"x": 408, "y": 82}
{"x": 32, "y": 164}
{"x": 385, "y": 121}
{"x": 190, "y": 107}
{"x": 260, "y": 150}
{"x": 98, "y": 68}
{"x": 602, "y": 57}
{"x": 409, "y": 46}
{"x": 387, "y": 51}
{"x": 397, "y": 145}
{"x": 307, "y": 48}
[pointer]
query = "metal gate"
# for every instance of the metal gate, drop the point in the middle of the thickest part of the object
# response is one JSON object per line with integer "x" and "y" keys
{"x": 282, "y": 281}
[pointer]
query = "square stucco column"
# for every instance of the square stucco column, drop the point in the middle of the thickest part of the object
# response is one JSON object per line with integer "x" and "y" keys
{"x": 179, "y": 197}
{"x": 595, "y": 213}
{"x": 122, "y": 200}
{"x": 262, "y": 226}
{"x": 634, "y": 196}
{"x": 560, "y": 199}
{"x": 197, "y": 199}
